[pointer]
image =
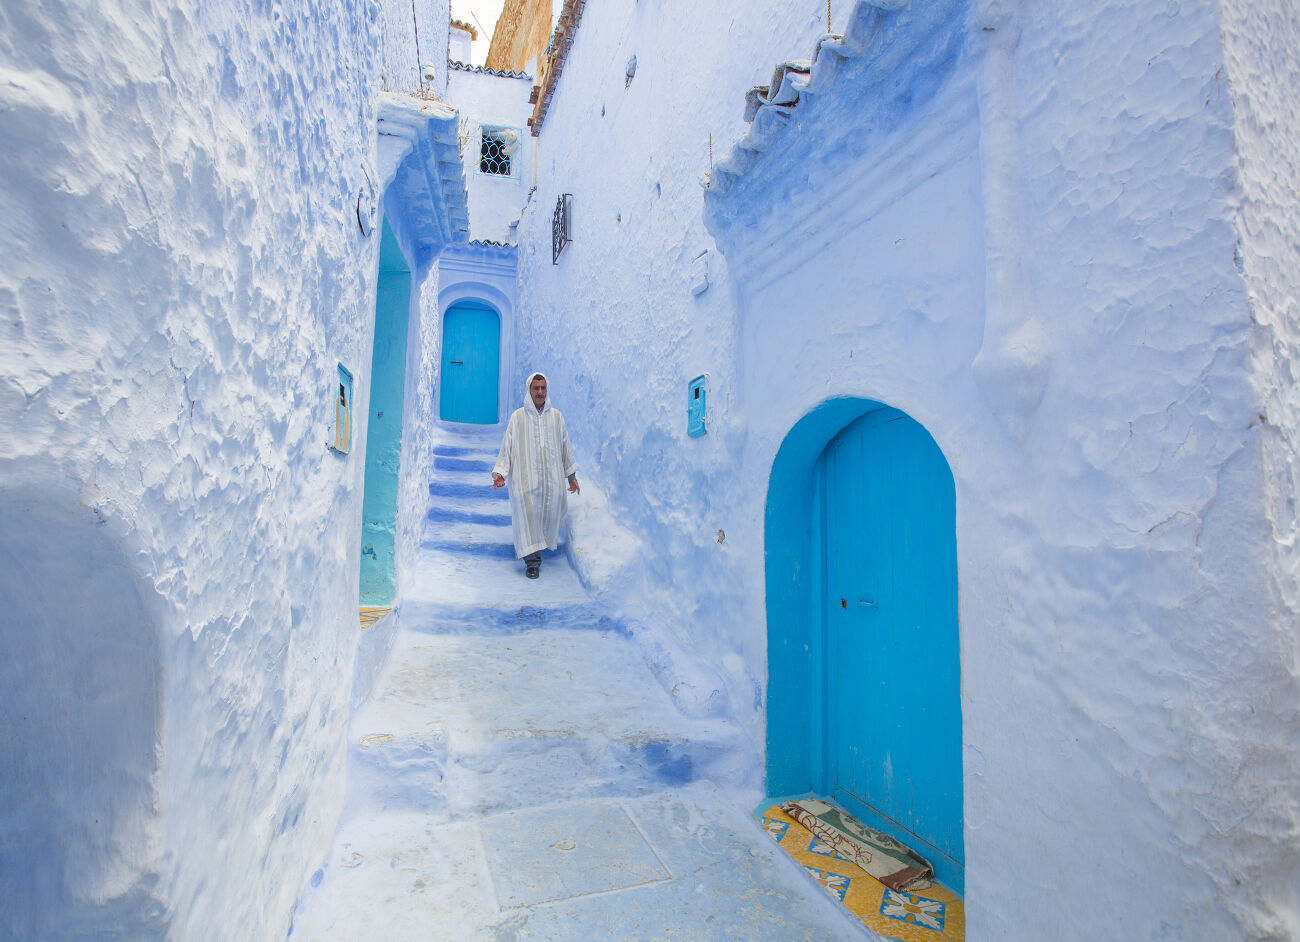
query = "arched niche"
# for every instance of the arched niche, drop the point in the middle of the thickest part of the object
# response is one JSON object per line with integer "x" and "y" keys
{"x": 79, "y": 726}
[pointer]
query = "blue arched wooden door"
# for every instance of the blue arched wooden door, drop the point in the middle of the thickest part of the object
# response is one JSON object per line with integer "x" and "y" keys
{"x": 893, "y": 683}
{"x": 471, "y": 359}
{"x": 864, "y": 674}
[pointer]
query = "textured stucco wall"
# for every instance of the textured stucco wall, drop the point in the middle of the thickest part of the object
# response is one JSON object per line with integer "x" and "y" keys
{"x": 1263, "y": 76}
{"x": 417, "y": 38}
{"x": 183, "y": 269}
{"x": 1127, "y": 574}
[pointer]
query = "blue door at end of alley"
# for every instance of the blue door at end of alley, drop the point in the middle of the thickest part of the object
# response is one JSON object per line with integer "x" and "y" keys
{"x": 893, "y": 703}
{"x": 471, "y": 355}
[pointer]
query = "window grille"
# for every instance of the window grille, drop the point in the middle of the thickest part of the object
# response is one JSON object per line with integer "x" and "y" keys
{"x": 560, "y": 227}
{"x": 496, "y": 152}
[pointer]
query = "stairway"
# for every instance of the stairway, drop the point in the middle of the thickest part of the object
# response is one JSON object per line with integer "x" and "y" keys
{"x": 518, "y": 767}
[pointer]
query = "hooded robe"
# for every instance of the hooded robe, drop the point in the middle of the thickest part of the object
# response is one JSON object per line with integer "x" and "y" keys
{"x": 535, "y": 460}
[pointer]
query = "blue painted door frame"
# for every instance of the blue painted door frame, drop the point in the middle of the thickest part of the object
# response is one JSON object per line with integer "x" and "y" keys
{"x": 471, "y": 360}
{"x": 863, "y": 660}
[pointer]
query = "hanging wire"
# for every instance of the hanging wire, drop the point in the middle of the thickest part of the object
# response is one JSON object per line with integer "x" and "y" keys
{"x": 828, "y": 16}
{"x": 419, "y": 59}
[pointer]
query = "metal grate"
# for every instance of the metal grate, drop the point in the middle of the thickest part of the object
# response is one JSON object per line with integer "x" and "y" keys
{"x": 560, "y": 227}
{"x": 494, "y": 154}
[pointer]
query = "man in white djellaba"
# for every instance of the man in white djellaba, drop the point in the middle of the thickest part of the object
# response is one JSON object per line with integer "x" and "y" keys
{"x": 535, "y": 459}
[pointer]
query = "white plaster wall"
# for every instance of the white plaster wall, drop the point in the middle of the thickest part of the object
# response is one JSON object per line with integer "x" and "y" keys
{"x": 1127, "y": 568}
{"x": 1263, "y": 74}
{"x": 494, "y": 201}
{"x": 616, "y": 329}
{"x": 459, "y": 46}
{"x": 183, "y": 269}
{"x": 417, "y": 37}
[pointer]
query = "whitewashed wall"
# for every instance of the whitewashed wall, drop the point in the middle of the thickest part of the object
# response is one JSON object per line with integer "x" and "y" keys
{"x": 1125, "y": 519}
{"x": 499, "y": 101}
{"x": 1261, "y": 735}
{"x": 182, "y": 270}
{"x": 415, "y": 44}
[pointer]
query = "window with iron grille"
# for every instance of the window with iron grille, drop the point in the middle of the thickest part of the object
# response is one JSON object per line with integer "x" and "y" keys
{"x": 560, "y": 226}
{"x": 497, "y": 151}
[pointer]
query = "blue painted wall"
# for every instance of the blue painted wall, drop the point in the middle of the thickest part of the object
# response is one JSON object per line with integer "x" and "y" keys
{"x": 384, "y": 426}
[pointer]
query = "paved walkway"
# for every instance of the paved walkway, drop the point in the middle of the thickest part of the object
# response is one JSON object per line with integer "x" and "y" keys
{"x": 518, "y": 773}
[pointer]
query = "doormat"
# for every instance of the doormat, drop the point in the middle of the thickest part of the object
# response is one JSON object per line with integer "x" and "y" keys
{"x": 928, "y": 915}
{"x": 892, "y": 863}
{"x": 372, "y": 614}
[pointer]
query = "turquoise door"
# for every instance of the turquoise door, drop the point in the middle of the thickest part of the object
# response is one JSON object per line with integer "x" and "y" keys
{"x": 471, "y": 353}
{"x": 893, "y": 685}
{"x": 384, "y": 425}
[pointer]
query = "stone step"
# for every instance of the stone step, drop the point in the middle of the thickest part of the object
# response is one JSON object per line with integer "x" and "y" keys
{"x": 475, "y": 723}
{"x": 464, "y": 489}
{"x": 464, "y": 533}
{"x": 476, "y": 464}
{"x": 471, "y": 547}
{"x": 470, "y": 449}
{"x": 455, "y": 513}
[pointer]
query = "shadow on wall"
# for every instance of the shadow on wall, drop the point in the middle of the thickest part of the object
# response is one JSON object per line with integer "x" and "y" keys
{"x": 80, "y": 678}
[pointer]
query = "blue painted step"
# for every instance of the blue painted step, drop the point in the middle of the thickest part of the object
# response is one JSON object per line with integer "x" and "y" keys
{"x": 448, "y": 489}
{"x": 449, "y": 515}
{"x": 462, "y": 464}
{"x": 460, "y": 451}
{"x": 501, "y": 550}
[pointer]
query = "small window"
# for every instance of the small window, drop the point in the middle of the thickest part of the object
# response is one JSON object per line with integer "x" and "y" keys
{"x": 497, "y": 151}
{"x": 343, "y": 412}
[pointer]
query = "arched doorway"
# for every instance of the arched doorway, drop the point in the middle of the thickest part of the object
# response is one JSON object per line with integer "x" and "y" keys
{"x": 864, "y": 667}
{"x": 471, "y": 361}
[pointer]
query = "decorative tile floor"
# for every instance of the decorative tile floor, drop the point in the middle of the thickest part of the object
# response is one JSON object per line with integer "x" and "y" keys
{"x": 370, "y": 615}
{"x": 930, "y": 915}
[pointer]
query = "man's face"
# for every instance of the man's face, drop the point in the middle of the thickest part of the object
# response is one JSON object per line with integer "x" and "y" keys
{"x": 538, "y": 389}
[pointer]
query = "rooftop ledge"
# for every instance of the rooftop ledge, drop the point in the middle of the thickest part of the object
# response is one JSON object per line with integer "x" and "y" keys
{"x": 419, "y": 163}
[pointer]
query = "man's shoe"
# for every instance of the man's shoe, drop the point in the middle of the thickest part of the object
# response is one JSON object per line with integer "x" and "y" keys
{"x": 533, "y": 570}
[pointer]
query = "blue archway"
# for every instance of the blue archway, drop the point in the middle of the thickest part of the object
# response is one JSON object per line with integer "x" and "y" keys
{"x": 863, "y": 698}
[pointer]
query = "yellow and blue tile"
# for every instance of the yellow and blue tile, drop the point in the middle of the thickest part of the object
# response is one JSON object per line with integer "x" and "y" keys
{"x": 934, "y": 914}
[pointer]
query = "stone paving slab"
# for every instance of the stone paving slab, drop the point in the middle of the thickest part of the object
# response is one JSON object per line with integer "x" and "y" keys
{"x": 411, "y": 878}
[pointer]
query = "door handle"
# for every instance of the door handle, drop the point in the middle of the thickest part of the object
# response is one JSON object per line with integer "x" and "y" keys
{"x": 459, "y": 362}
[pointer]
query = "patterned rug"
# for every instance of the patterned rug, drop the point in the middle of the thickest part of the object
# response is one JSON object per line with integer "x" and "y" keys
{"x": 929, "y": 915}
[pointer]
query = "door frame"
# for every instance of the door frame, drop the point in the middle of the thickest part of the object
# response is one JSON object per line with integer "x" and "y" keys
{"x": 795, "y": 575}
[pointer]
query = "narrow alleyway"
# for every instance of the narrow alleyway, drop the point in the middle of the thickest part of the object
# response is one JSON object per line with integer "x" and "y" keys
{"x": 519, "y": 773}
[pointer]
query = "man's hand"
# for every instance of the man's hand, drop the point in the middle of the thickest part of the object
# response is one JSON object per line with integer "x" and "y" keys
{"x": 498, "y": 480}
{"x": 573, "y": 484}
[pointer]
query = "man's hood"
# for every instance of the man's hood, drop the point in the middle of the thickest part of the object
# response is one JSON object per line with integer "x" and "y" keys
{"x": 528, "y": 394}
